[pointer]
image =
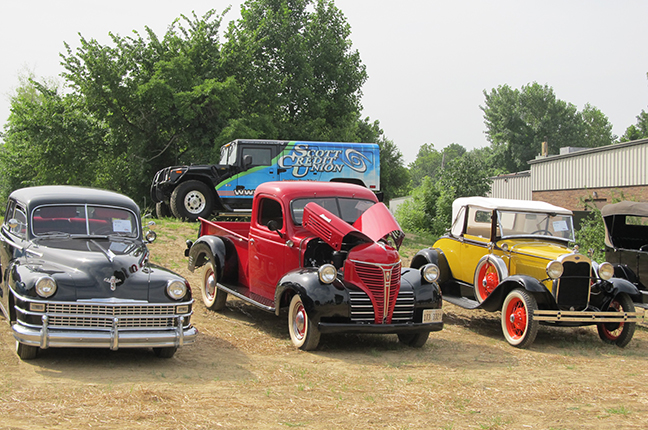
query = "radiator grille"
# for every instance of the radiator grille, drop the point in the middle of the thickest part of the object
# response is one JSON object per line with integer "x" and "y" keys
{"x": 383, "y": 283}
{"x": 574, "y": 286}
{"x": 103, "y": 316}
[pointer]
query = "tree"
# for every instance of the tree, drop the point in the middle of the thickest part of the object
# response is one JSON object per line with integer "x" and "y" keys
{"x": 518, "y": 121}
{"x": 50, "y": 139}
{"x": 638, "y": 131}
{"x": 429, "y": 161}
{"x": 299, "y": 76}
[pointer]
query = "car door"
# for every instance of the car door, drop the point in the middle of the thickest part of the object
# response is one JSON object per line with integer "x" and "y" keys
{"x": 270, "y": 255}
{"x": 11, "y": 242}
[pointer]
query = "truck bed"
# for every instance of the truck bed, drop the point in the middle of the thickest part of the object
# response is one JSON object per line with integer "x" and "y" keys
{"x": 234, "y": 229}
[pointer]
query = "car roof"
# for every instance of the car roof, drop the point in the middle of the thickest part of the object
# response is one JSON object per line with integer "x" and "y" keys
{"x": 52, "y": 194}
{"x": 290, "y": 190}
{"x": 625, "y": 208}
{"x": 490, "y": 203}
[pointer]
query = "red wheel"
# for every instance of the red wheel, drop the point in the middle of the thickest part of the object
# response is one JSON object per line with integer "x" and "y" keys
{"x": 618, "y": 333}
{"x": 518, "y": 324}
{"x": 488, "y": 275}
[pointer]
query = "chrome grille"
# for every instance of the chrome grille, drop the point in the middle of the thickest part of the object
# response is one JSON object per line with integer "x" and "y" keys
{"x": 362, "y": 310}
{"x": 101, "y": 316}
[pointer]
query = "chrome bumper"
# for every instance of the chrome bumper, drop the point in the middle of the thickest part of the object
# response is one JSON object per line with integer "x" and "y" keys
{"x": 114, "y": 338}
{"x": 587, "y": 317}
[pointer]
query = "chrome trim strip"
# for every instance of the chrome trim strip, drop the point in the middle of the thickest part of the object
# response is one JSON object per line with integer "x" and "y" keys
{"x": 576, "y": 316}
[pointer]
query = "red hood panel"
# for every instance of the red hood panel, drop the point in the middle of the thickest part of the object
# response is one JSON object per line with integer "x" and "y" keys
{"x": 376, "y": 223}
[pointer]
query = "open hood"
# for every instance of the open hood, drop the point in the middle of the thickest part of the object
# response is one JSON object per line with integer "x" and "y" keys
{"x": 374, "y": 224}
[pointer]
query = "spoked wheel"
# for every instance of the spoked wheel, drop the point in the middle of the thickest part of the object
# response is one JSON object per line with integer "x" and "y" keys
{"x": 487, "y": 277}
{"x": 618, "y": 333}
{"x": 213, "y": 298}
{"x": 518, "y": 324}
{"x": 26, "y": 352}
{"x": 415, "y": 340}
{"x": 303, "y": 333}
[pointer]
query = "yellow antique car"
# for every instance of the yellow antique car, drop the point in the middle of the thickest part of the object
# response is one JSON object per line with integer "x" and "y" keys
{"x": 514, "y": 256}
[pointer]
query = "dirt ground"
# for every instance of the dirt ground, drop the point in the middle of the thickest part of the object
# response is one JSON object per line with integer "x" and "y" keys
{"x": 244, "y": 373}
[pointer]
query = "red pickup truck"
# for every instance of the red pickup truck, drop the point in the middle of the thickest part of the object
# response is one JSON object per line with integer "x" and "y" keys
{"x": 327, "y": 252}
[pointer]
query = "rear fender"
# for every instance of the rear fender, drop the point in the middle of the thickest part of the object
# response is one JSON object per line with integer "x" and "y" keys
{"x": 207, "y": 248}
{"x": 495, "y": 300}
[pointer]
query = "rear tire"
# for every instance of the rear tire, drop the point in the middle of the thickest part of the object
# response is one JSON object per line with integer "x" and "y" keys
{"x": 192, "y": 199}
{"x": 162, "y": 210}
{"x": 213, "y": 297}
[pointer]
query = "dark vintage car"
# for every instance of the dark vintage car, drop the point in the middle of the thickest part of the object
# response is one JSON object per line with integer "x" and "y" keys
{"x": 514, "y": 256}
{"x": 626, "y": 242}
{"x": 76, "y": 273}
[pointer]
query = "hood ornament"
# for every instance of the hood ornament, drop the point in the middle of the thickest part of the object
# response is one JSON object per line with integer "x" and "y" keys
{"x": 112, "y": 281}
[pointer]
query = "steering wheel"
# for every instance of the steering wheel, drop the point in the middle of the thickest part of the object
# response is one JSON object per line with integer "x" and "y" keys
{"x": 544, "y": 231}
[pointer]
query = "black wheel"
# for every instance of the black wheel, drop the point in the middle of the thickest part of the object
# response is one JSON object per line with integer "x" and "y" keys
{"x": 415, "y": 340}
{"x": 518, "y": 324}
{"x": 26, "y": 352}
{"x": 165, "y": 352}
{"x": 213, "y": 298}
{"x": 303, "y": 333}
{"x": 618, "y": 333}
{"x": 162, "y": 210}
{"x": 190, "y": 200}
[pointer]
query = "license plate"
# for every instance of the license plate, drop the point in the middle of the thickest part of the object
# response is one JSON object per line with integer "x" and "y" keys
{"x": 432, "y": 315}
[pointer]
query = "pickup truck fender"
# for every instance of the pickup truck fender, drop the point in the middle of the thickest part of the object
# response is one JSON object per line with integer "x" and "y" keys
{"x": 318, "y": 298}
{"x": 495, "y": 300}
{"x": 208, "y": 248}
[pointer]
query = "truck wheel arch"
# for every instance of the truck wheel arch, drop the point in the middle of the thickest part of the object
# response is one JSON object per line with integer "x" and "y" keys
{"x": 208, "y": 247}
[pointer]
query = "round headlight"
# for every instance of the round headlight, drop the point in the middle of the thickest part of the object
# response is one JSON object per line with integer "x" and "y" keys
{"x": 606, "y": 271}
{"x": 555, "y": 269}
{"x": 430, "y": 273}
{"x": 45, "y": 286}
{"x": 176, "y": 289}
{"x": 327, "y": 273}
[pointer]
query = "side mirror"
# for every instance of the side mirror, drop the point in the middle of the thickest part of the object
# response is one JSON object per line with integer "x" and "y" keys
{"x": 150, "y": 235}
{"x": 247, "y": 161}
{"x": 274, "y": 225}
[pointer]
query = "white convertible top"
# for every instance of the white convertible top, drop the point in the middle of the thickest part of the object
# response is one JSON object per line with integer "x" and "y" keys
{"x": 507, "y": 205}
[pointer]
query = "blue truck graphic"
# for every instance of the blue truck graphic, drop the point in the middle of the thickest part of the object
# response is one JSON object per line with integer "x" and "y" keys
{"x": 189, "y": 192}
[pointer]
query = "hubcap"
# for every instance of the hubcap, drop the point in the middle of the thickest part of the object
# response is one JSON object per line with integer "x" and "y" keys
{"x": 210, "y": 286}
{"x": 194, "y": 202}
{"x": 299, "y": 323}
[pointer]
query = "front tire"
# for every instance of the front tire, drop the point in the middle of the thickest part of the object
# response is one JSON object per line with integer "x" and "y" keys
{"x": 303, "y": 333}
{"x": 214, "y": 298}
{"x": 414, "y": 340}
{"x": 518, "y": 324}
{"x": 192, "y": 199}
{"x": 165, "y": 352}
{"x": 26, "y": 352}
{"x": 618, "y": 333}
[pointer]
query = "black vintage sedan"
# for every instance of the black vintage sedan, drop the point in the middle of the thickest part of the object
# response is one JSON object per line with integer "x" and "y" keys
{"x": 76, "y": 273}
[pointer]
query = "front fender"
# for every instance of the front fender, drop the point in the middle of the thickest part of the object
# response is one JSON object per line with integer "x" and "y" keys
{"x": 318, "y": 298}
{"x": 495, "y": 300}
{"x": 434, "y": 256}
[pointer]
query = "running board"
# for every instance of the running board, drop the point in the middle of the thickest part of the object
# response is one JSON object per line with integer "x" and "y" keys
{"x": 245, "y": 298}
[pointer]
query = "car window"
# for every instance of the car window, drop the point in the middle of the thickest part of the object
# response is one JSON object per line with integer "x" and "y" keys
{"x": 260, "y": 156}
{"x": 535, "y": 224}
{"x": 83, "y": 220}
{"x": 21, "y": 228}
{"x": 348, "y": 209}
{"x": 479, "y": 222}
{"x": 270, "y": 210}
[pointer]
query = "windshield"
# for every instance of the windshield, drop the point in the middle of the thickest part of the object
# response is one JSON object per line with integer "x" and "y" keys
{"x": 228, "y": 154}
{"x": 347, "y": 209}
{"x": 83, "y": 220}
{"x": 535, "y": 224}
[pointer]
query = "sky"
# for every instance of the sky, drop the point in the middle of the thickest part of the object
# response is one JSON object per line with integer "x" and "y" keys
{"x": 428, "y": 61}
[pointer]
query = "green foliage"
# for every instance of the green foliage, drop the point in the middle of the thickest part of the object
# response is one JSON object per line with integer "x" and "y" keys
{"x": 518, "y": 121}
{"x": 430, "y": 208}
{"x": 429, "y": 161}
{"x": 394, "y": 177}
{"x": 141, "y": 103}
{"x": 638, "y": 131}
{"x": 591, "y": 235}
